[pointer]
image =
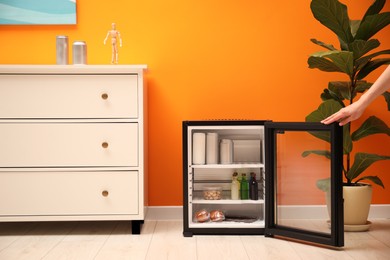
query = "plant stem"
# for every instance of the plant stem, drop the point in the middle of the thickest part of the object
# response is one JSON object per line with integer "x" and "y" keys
{"x": 352, "y": 91}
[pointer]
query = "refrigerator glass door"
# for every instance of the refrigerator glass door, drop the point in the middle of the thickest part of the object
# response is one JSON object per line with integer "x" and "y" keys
{"x": 300, "y": 165}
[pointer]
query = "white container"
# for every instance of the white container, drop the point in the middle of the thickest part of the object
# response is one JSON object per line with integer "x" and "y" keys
{"x": 199, "y": 148}
{"x": 226, "y": 151}
{"x": 212, "y": 193}
{"x": 79, "y": 53}
{"x": 247, "y": 151}
{"x": 62, "y": 50}
{"x": 212, "y": 148}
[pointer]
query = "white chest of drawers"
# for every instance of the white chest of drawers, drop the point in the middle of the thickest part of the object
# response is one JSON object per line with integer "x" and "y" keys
{"x": 73, "y": 143}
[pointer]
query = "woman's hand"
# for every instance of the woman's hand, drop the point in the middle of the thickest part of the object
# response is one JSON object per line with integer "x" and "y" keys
{"x": 355, "y": 110}
{"x": 346, "y": 114}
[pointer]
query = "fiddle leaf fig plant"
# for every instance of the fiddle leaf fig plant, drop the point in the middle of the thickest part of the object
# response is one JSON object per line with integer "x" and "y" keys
{"x": 356, "y": 57}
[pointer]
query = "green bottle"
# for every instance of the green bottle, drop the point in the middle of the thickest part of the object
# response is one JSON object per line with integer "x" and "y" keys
{"x": 244, "y": 191}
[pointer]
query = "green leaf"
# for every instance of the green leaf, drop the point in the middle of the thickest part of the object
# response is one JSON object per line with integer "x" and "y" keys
{"x": 371, "y": 25}
{"x": 375, "y": 54}
{"x": 323, "y": 135}
{"x": 362, "y": 86}
{"x": 343, "y": 60}
{"x": 372, "y": 125}
{"x": 374, "y": 179}
{"x": 317, "y": 116}
{"x": 361, "y": 162}
{"x": 341, "y": 89}
{"x": 370, "y": 67}
{"x": 328, "y": 94}
{"x": 317, "y": 152}
{"x": 354, "y": 26}
{"x": 332, "y": 61}
{"x": 375, "y": 8}
{"x": 322, "y": 44}
{"x": 361, "y": 47}
{"x": 363, "y": 61}
{"x": 387, "y": 99}
{"x": 324, "y": 184}
{"x": 322, "y": 64}
{"x": 324, "y": 110}
{"x": 333, "y": 15}
{"x": 347, "y": 140}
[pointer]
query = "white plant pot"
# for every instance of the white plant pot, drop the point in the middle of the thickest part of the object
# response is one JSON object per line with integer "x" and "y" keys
{"x": 357, "y": 201}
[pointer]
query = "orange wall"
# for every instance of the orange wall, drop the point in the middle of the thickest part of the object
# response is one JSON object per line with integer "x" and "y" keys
{"x": 207, "y": 60}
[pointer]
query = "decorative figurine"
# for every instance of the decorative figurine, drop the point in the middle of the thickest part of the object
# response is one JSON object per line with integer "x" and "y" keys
{"x": 115, "y": 35}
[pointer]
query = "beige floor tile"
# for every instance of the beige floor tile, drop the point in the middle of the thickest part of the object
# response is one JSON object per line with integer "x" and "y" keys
{"x": 168, "y": 242}
{"x": 268, "y": 248}
{"x": 124, "y": 245}
{"x": 38, "y": 241}
{"x": 10, "y": 232}
{"x": 83, "y": 242}
{"x": 220, "y": 247}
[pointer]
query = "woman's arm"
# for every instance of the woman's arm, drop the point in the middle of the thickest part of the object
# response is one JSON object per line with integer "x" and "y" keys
{"x": 355, "y": 110}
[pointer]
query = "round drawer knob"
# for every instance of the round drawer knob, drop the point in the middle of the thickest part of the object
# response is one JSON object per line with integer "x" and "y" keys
{"x": 105, "y": 193}
{"x": 104, "y": 144}
{"x": 104, "y": 96}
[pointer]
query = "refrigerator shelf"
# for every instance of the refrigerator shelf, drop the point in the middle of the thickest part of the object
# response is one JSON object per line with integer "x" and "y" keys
{"x": 227, "y": 201}
{"x": 228, "y": 224}
{"x": 227, "y": 166}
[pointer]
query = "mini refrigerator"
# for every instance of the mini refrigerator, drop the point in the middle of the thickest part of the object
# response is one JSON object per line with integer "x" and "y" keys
{"x": 281, "y": 199}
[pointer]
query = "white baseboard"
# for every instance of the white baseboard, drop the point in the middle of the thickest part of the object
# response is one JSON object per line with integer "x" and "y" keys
{"x": 377, "y": 211}
{"x": 164, "y": 213}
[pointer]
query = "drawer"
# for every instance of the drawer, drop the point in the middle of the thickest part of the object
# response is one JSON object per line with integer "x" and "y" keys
{"x": 68, "y": 96}
{"x": 69, "y": 193}
{"x": 68, "y": 144}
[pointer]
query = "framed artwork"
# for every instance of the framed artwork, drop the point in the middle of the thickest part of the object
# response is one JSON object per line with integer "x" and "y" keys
{"x": 35, "y": 12}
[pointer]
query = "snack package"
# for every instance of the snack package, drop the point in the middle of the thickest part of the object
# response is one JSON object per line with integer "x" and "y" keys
{"x": 217, "y": 216}
{"x": 202, "y": 216}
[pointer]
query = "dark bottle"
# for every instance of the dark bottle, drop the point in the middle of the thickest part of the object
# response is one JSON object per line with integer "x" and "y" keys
{"x": 244, "y": 187}
{"x": 261, "y": 185}
{"x": 253, "y": 187}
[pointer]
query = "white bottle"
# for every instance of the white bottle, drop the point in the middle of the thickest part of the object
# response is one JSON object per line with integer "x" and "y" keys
{"x": 212, "y": 148}
{"x": 199, "y": 148}
{"x": 235, "y": 187}
{"x": 226, "y": 149}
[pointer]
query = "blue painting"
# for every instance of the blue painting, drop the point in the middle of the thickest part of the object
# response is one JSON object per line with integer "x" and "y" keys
{"x": 37, "y": 12}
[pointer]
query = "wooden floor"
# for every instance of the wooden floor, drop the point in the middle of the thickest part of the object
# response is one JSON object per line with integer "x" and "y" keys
{"x": 164, "y": 240}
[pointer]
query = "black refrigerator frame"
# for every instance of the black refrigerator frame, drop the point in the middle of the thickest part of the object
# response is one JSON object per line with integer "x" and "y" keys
{"x": 271, "y": 228}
